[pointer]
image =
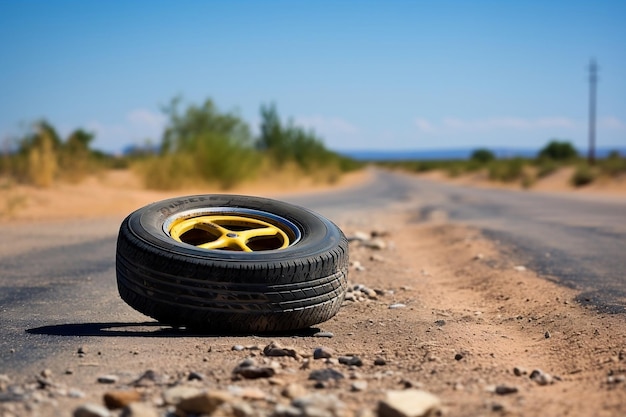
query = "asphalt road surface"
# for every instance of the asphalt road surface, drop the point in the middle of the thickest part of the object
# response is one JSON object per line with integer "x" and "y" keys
{"x": 58, "y": 278}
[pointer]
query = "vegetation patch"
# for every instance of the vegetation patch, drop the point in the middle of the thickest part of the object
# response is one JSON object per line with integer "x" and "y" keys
{"x": 201, "y": 145}
{"x": 526, "y": 172}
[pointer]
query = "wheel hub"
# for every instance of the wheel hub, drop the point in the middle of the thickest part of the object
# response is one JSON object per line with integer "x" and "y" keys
{"x": 238, "y": 230}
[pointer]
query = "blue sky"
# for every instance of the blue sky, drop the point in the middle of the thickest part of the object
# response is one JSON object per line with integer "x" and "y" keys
{"x": 365, "y": 75}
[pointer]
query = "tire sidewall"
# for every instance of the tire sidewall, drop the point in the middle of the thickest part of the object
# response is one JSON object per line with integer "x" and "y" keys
{"x": 318, "y": 234}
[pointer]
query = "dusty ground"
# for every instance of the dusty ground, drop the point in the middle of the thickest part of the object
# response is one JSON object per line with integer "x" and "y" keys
{"x": 119, "y": 192}
{"x": 466, "y": 316}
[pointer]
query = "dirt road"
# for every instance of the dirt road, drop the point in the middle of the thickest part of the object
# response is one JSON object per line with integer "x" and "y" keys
{"x": 438, "y": 308}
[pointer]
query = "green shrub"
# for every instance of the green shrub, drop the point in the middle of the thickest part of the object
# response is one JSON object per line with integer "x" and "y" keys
{"x": 558, "y": 151}
{"x": 453, "y": 170}
{"x": 583, "y": 175}
{"x": 614, "y": 165}
{"x": 167, "y": 172}
{"x": 482, "y": 156}
{"x": 201, "y": 145}
{"x": 546, "y": 167}
{"x": 506, "y": 170}
{"x": 528, "y": 181}
{"x": 286, "y": 143}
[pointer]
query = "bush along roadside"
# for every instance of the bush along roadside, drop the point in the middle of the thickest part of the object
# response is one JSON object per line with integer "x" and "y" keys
{"x": 526, "y": 172}
{"x": 204, "y": 145}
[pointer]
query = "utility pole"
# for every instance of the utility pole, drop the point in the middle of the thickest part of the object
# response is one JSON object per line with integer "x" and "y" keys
{"x": 593, "y": 79}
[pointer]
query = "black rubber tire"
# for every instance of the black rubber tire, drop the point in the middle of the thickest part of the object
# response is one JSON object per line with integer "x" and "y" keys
{"x": 225, "y": 291}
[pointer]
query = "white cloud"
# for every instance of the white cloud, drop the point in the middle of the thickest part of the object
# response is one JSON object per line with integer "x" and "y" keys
{"x": 146, "y": 119}
{"x": 138, "y": 126}
{"x": 455, "y": 124}
{"x": 424, "y": 125}
{"x": 611, "y": 122}
{"x": 516, "y": 123}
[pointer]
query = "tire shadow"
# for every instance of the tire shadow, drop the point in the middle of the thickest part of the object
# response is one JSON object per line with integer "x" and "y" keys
{"x": 147, "y": 329}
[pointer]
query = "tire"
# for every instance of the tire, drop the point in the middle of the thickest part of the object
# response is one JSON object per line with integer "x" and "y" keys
{"x": 291, "y": 280}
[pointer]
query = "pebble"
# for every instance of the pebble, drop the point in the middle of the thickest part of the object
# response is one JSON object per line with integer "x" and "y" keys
{"x": 238, "y": 348}
{"x": 324, "y": 334}
{"x": 149, "y": 378}
{"x": 326, "y": 374}
{"x": 520, "y": 268}
{"x": 250, "y": 393}
{"x": 120, "y": 399}
{"x": 615, "y": 379}
{"x": 359, "y": 236}
{"x": 274, "y": 349}
{"x": 408, "y": 403}
{"x": 379, "y": 233}
{"x": 91, "y": 410}
{"x": 322, "y": 353}
{"x": 541, "y": 377}
{"x": 242, "y": 409}
{"x": 318, "y": 405}
{"x": 547, "y": 335}
{"x": 75, "y": 393}
{"x": 108, "y": 379}
{"x": 396, "y": 306}
{"x": 358, "y": 386}
{"x": 195, "y": 376}
{"x": 204, "y": 403}
{"x": 458, "y": 356}
{"x": 479, "y": 256}
{"x": 293, "y": 390}
{"x": 254, "y": 372}
{"x": 380, "y": 362}
{"x": 357, "y": 266}
{"x": 174, "y": 395}
{"x": 376, "y": 258}
{"x": 350, "y": 360}
{"x": 505, "y": 389}
{"x": 377, "y": 244}
{"x": 519, "y": 371}
{"x": 497, "y": 407}
{"x": 139, "y": 410}
{"x": 247, "y": 362}
{"x": 282, "y": 410}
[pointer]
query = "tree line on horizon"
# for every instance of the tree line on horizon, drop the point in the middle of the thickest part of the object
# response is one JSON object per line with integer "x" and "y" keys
{"x": 202, "y": 144}
{"x": 554, "y": 155}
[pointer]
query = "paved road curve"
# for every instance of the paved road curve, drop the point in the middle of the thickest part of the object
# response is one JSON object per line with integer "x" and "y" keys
{"x": 61, "y": 276}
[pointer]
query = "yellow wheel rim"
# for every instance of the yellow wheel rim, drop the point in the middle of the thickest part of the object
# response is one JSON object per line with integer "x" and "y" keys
{"x": 229, "y": 232}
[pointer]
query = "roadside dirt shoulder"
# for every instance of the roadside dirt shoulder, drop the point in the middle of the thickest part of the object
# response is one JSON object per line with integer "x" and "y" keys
{"x": 120, "y": 192}
{"x": 434, "y": 307}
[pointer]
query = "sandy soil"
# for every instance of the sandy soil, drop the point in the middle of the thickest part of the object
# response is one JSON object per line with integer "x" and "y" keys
{"x": 467, "y": 324}
{"x": 120, "y": 192}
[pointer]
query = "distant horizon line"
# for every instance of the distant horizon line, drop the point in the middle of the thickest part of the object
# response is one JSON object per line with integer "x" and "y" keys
{"x": 461, "y": 153}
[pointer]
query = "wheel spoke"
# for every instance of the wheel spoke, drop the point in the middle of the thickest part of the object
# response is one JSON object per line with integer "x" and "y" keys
{"x": 221, "y": 243}
{"x": 210, "y": 226}
{"x": 230, "y": 232}
{"x": 263, "y": 232}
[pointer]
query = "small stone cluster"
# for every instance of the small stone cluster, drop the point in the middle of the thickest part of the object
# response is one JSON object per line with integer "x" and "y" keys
{"x": 153, "y": 394}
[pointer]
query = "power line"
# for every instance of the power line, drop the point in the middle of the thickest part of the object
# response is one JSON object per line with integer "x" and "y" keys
{"x": 593, "y": 80}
